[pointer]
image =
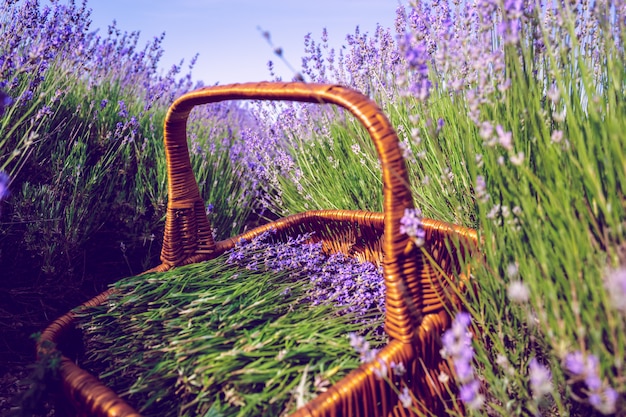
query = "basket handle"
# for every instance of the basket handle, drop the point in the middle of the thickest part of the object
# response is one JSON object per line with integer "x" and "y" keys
{"x": 188, "y": 232}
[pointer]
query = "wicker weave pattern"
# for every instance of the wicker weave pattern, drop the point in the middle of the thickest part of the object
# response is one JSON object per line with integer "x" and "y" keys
{"x": 416, "y": 295}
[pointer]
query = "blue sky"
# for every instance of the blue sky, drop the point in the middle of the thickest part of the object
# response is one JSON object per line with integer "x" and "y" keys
{"x": 225, "y": 34}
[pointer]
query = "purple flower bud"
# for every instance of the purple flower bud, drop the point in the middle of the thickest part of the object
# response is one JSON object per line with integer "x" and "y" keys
{"x": 123, "y": 111}
{"x": 464, "y": 370}
{"x": 615, "y": 282}
{"x": 4, "y": 185}
{"x": 593, "y": 382}
{"x": 398, "y": 369}
{"x": 575, "y": 362}
{"x": 405, "y": 397}
{"x": 540, "y": 379}
{"x": 411, "y": 224}
{"x": 5, "y": 101}
{"x": 470, "y": 395}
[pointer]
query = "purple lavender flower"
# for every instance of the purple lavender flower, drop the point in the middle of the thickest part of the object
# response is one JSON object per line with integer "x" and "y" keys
{"x": 463, "y": 367}
{"x": 382, "y": 371}
{"x": 5, "y": 101}
{"x": 510, "y": 26}
{"x": 405, "y": 397}
{"x": 575, "y": 362}
{"x": 364, "y": 350}
{"x": 593, "y": 381}
{"x": 457, "y": 348}
{"x": 481, "y": 189}
{"x": 411, "y": 224}
{"x": 470, "y": 395}
{"x": 505, "y": 138}
{"x": 398, "y": 369}
{"x": 615, "y": 283}
{"x": 604, "y": 400}
{"x": 486, "y": 131}
{"x": 540, "y": 379}
{"x": 592, "y": 365}
{"x": 440, "y": 124}
{"x": 416, "y": 56}
{"x": 4, "y": 185}
{"x": 461, "y": 324}
{"x": 400, "y": 21}
{"x": 358, "y": 342}
{"x": 586, "y": 368}
{"x": 26, "y": 96}
{"x": 509, "y": 30}
{"x": 43, "y": 112}
{"x": 421, "y": 89}
{"x": 123, "y": 111}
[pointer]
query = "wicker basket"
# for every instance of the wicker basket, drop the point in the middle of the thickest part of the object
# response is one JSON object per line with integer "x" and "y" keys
{"x": 417, "y": 296}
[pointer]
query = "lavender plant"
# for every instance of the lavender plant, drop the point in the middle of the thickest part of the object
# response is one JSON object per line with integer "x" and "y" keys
{"x": 27, "y": 53}
{"x": 326, "y": 143}
{"x": 81, "y": 143}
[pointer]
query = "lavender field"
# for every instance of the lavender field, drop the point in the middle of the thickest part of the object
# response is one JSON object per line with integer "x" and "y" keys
{"x": 512, "y": 121}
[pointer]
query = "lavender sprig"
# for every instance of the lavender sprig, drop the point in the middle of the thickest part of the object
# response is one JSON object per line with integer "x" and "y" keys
{"x": 411, "y": 225}
{"x": 457, "y": 348}
{"x": 586, "y": 368}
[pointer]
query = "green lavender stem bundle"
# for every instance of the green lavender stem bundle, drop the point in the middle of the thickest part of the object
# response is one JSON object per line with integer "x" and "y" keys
{"x": 220, "y": 337}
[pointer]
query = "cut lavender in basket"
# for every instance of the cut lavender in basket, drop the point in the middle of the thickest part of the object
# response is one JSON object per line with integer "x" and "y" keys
{"x": 352, "y": 286}
{"x": 176, "y": 339}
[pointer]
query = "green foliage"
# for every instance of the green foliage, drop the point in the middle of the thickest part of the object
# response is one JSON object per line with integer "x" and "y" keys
{"x": 95, "y": 178}
{"x": 323, "y": 159}
{"x": 83, "y": 154}
{"x": 42, "y": 381}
